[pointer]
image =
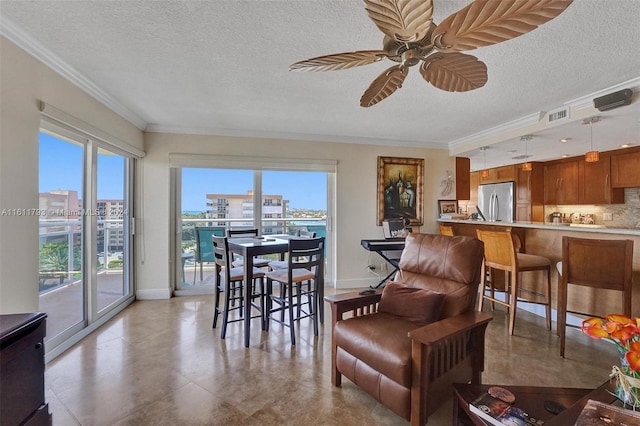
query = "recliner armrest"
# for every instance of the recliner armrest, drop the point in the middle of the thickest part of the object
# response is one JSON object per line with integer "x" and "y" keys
{"x": 442, "y": 330}
{"x": 352, "y": 301}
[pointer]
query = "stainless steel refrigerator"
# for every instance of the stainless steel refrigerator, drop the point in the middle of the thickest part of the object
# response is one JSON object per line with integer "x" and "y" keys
{"x": 496, "y": 201}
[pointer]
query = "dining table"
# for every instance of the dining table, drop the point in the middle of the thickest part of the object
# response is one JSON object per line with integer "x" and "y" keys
{"x": 248, "y": 248}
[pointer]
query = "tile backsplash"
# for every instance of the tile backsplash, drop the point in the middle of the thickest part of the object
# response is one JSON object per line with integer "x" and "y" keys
{"x": 625, "y": 215}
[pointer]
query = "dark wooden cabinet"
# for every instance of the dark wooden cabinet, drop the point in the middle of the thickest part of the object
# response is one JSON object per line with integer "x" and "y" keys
{"x": 595, "y": 183}
{"x": 561, "y": 182}
{"x": 22, "y": 370}
{"x": 463, "y": 184}
{"x": 625, "y": 170}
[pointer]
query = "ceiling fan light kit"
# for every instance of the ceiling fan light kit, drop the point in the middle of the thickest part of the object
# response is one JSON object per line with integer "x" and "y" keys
{"x": 411, "y": 38}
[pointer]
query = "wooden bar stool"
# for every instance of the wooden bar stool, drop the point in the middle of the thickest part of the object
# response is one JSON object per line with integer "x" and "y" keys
{"x": 601, "y": 264}
{"x": 230, "y": 281}
{"x": 284, "y": 264}
{"x": 306, "y": 260}
{"x": 446, "y": 230}
{"x": 237, "y": 261}
{"x": 500, "y": 253}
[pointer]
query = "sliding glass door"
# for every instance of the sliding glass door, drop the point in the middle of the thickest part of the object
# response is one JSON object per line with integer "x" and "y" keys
{"x": 275, "y": 202}
{"x": 113, "y": 220}
{"x": 85, "y": 241}
{"x": 62, "y": 268}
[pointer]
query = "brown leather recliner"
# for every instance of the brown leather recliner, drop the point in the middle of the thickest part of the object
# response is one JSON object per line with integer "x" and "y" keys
{"x": 406, "y": 366}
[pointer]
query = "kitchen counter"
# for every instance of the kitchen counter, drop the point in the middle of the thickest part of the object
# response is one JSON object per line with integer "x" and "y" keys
{"x": 557, "y": 227}
{"x": 545, "y": 239}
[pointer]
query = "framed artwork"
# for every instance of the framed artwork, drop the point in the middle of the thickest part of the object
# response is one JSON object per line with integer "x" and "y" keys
{"x": 447, "y": 206}
{"x": 400, "y": 182}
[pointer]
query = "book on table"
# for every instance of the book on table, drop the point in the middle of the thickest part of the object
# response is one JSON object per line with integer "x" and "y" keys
{"x": 499, "y": 413}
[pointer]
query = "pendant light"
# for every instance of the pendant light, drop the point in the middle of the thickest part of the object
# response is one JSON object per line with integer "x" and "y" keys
{"x": 591, "y": 156}
{"x": 527, "y": 167}
{"x": 485, "y": 172}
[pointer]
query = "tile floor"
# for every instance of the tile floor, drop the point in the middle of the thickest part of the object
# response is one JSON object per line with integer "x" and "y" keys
{"x": 161, "y": 363}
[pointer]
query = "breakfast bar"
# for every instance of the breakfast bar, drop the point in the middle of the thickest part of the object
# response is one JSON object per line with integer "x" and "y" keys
{"x": 545, "y": 239}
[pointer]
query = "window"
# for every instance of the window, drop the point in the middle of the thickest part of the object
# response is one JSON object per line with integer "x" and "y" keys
{"x": 296, "y": 200}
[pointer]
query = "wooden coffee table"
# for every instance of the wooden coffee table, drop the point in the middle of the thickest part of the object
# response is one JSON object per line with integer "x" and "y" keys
{"x": 531, "y": 399}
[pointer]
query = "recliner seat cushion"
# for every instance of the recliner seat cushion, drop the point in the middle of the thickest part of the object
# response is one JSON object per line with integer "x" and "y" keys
{"x": 411, "y": 303}
{"x": 380, "y": 340}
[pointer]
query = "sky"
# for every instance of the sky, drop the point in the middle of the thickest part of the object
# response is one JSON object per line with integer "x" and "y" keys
{"x": 304, "y": 190}
{"x": 61, "y": 167}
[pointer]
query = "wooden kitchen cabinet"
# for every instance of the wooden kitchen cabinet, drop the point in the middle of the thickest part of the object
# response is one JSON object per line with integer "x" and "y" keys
{"x": 625, "y": 169}
{"x": 595, "y": 183}
{"x": 499, "y": 174}
{"x": 530, "y": 193}
{"x": 474, "y": 181}
{"x": 463, "y": 169}
{"x": 561, "y": 182}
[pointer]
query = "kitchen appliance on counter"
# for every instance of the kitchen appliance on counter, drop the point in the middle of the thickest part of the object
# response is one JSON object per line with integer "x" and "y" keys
{"x": 555, "y": 218}
{"x": 496, "y": 201}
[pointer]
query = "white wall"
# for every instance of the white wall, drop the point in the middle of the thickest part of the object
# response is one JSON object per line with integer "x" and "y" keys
{"x": 23, "y": 82}
{"x": 356, "y": 196}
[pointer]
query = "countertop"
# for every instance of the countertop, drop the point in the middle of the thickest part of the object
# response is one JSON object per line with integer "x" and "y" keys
{"x": 559, "y": 227}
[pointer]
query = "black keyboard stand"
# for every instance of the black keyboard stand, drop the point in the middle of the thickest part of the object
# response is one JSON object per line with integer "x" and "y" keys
{"x": 380, "y": 246}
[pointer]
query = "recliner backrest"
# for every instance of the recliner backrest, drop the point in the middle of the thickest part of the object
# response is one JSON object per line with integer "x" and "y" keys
{"x": 450, "y": 265}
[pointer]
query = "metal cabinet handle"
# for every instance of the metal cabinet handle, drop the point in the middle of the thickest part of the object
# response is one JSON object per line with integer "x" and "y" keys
{"x": 38, "y": 345}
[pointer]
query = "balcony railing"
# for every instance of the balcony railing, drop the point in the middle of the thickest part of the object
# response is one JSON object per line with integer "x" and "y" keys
{"x": 269, "y": 226}
{"x": 68, "y": 233}
{"x": 110, "y": 249}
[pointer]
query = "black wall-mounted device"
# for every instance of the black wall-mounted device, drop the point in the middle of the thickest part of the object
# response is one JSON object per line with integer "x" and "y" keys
{"x": 613, "y": 100}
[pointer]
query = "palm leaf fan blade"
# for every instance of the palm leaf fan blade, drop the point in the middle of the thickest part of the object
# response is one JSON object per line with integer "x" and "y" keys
{"x": 454, "y": 72}
{"x": 339, "y": 61}
{"x": 487, "y": 22}
{"x": 402, "y": 20}
{"x": 384, "y": 86}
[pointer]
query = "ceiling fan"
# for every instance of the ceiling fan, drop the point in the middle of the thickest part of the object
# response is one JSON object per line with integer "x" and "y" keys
{"x": 411, "y": 37}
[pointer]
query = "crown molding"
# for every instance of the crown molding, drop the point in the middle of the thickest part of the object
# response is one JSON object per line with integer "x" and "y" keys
{"x": 36, "y": 49}
{"x": 505, "y": 131}
{"x": 212, "y": 131}
{"x": 470, "y": 140}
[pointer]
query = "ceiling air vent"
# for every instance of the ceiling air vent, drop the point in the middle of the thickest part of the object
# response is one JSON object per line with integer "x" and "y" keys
{"x": 558, "y": 115}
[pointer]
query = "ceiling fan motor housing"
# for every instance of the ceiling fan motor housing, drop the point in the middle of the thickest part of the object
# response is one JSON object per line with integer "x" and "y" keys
{"x": 410, "y": 57}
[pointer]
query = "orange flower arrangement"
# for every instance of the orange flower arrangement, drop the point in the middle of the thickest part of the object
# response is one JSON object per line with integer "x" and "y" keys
{"x": 624, "y": 332}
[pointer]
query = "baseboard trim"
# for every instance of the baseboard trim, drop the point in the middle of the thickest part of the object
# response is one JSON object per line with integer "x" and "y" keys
{"x": 155, "y": 294}
{"x": 194, "y": 291}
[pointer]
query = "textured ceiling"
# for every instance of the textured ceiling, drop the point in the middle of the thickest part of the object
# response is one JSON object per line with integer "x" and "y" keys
{"x": 221, "y": 67}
